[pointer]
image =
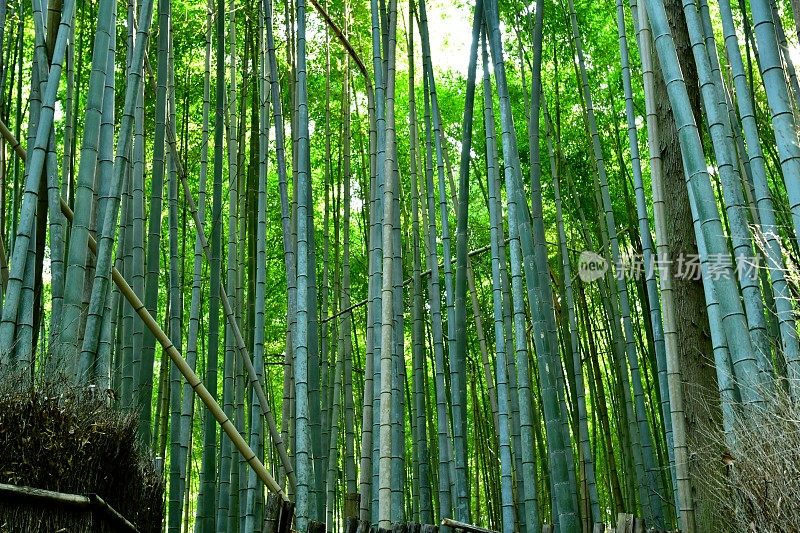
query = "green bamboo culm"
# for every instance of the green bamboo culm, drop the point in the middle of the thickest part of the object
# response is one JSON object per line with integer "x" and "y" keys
{"x": 96, "y": 344}
{"x": 303, "y": 454}
{"x": 386, "y": 512}
{"x": 435, "y": 298}
{"x": 522, "y": 243}
{"x": 207, "y": 495}
{"x": 57, "y": 240}
{"x": 228, "y": 472}
{"x": 176, "y": 482}
{"x": 780, "y": 106}
{"x": 346, "y": 323}
{"x": 253, "y": 511}
{"x": 371, "y": 415}
{"x": 422, "y": 475}
{"x": 144, "y": 374}
{"x": 193, "y": 336}
{"x": 398, "y": 383}
{"x": 459, "y": 358}
{"x": 36, "y": 159}
{"x": 503, "y": 389}
{"x": 439, "y": 144}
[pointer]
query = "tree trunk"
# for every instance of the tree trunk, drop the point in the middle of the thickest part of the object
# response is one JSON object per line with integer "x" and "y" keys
{"x": 701, "y": 399}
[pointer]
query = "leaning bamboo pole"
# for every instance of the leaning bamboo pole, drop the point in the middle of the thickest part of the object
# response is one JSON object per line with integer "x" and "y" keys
{"x": 227, "y": 308}
{"x": 191, "y": 377}
{"x": 90, "y": 502}
{"x": 230, "y": 315}
{"x": 166, "y": 344}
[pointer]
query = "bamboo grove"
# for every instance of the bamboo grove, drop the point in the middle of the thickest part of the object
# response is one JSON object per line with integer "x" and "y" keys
{"x": 314, "y": 262}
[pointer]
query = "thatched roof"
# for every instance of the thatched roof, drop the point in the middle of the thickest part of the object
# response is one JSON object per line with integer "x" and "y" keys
{"x": 74, "y": 443}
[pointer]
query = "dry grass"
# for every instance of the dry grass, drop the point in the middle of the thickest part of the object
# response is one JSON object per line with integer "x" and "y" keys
{"x": 760, "y": 491}
{"x": 73, "y": 442}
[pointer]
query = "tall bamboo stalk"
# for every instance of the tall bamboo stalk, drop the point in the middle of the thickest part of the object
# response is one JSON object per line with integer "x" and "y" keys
{"x": 503, "y": 390}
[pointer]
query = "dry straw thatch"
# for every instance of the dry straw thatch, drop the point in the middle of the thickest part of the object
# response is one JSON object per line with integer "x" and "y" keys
{"x": 73, "y": 442}
{"x": 760, "y": 488}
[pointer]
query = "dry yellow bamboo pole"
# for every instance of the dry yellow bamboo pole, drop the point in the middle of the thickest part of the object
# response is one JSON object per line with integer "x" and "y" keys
{"x": 192, "y": 378}
{"x": 255, "y": 382}
{"x": 241, "y": 346}
{"x": 166, "y": 344}
{"x": 9, "y": 137}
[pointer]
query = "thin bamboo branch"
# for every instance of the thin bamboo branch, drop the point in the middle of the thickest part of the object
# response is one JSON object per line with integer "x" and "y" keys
{"x": 345, "y": 42}
{"x": 406, "y": 282}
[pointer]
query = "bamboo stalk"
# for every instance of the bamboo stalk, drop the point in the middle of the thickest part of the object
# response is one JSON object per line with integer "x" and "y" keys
{"x": 455, "y": 524}
{"x": 192, "y": 378}
{"x": 90, "y": 502}
{"x": 194, "y": 381}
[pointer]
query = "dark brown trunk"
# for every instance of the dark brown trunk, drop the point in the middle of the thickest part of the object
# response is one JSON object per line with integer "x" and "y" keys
{"x": 701, "y": 396}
